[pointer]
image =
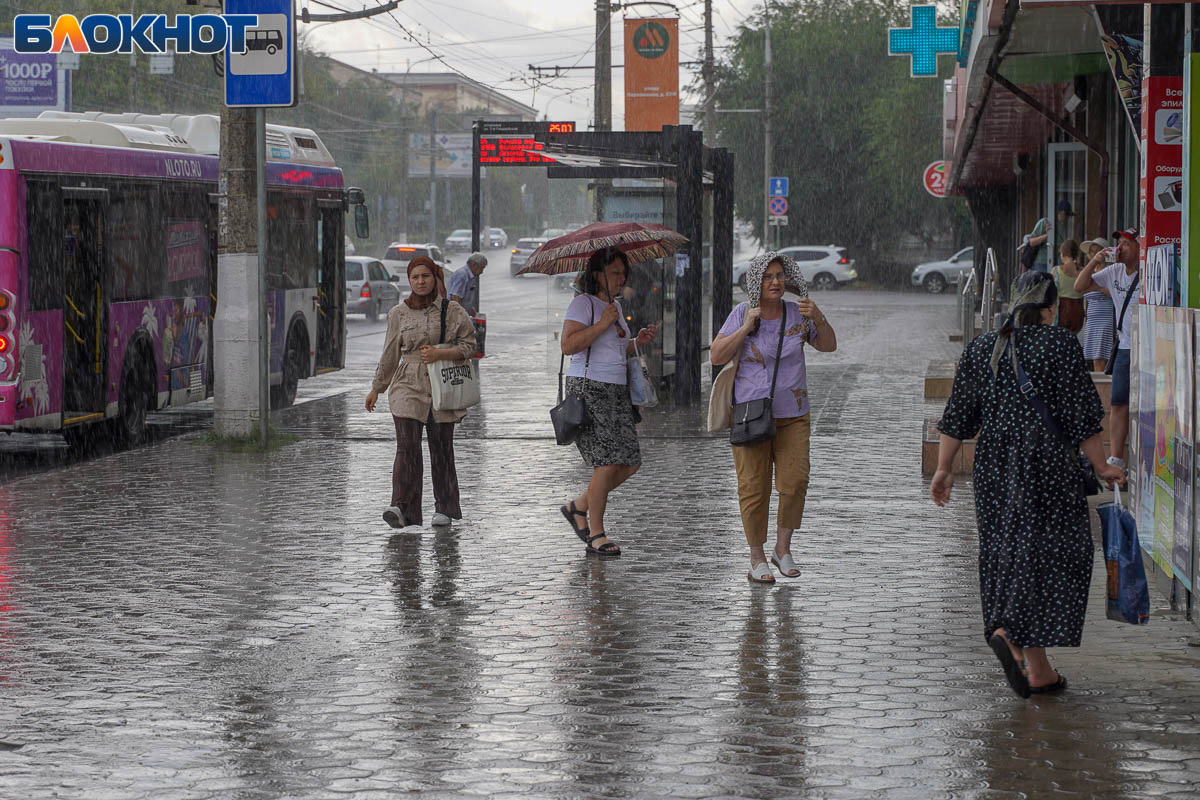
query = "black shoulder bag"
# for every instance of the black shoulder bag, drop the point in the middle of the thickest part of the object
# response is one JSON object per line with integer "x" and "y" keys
{"x": 1091, "y": 484}
{"x": 570, "y": 416}
{"x": 1112, "y": 358}
{"x": 753, "y": 420}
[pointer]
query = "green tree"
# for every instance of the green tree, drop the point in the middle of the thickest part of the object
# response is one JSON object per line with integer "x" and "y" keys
{"x": 849, "y": 126}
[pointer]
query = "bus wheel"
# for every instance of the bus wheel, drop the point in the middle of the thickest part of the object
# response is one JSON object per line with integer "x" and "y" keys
{"x": 129, "y": 426}
{"x": 284, "y": 394}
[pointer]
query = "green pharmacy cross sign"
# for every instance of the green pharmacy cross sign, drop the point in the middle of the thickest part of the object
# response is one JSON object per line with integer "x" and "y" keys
{"x": 924, "y": 41}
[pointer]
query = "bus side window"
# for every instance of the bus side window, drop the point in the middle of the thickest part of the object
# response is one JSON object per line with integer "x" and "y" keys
{"x": 46, "y": 243}
{"x": 136, "y": 242}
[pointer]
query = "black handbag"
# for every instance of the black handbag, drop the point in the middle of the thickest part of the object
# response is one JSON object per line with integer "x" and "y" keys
{"x": 570, "y": 416}
{"x": 1091, "y": 483}
{"x": 1116, "y": 343}
{"x": 754, "y": 420}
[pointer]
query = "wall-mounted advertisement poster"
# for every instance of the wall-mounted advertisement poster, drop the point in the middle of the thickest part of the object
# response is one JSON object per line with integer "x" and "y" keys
{"x": 1181, "y": 557}
{"x": 1142, "y": 427}
{"x": 1195, "y": 315}
{"x": 1164, "y": 437}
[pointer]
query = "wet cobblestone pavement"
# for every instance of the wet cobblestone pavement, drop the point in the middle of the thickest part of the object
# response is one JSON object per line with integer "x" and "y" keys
{"x": 178, "y": 622}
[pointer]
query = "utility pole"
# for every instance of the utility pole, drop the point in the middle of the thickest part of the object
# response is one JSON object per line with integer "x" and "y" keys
{"x": 236, "y": 384}
{"x": 766, "y": 184}
{"x": 603, "y": 90}
{"x": 433, "y": 177}
{"x": 710, "y": 91}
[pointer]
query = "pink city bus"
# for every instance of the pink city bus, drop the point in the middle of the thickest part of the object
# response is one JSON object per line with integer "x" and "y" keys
{"x": 108, "y": 267}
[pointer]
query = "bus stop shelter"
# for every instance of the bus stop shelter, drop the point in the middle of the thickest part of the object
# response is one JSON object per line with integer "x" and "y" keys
{"x": 668, "y": 177}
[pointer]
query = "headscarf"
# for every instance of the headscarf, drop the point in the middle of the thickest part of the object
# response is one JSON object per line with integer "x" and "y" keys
{"x": 417, "y": 302}
{"x": 758, "y": 266}
{"x": 1034, "y": 290}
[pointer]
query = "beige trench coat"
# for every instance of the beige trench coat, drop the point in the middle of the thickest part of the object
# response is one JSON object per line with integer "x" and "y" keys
{"x": 400, "y": 371}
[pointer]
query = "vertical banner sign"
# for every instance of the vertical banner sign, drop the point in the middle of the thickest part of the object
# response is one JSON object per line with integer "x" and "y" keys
{"x": 651, "y": 74}
{"x": 1162, "y": 163}
{"x": 1190, "y": 257}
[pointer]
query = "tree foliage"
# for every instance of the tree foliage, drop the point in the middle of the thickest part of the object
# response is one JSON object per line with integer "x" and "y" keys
{"x": 850, "y": 128}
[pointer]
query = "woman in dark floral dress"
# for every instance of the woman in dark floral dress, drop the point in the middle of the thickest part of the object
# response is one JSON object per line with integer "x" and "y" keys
{"x": 1035, "y": 544}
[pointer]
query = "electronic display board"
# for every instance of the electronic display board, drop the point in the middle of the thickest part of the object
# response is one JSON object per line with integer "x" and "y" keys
{"x": 516, "y": 144}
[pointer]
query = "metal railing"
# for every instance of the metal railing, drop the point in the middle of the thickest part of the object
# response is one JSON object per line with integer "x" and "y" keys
{"x": 979, "y": 294}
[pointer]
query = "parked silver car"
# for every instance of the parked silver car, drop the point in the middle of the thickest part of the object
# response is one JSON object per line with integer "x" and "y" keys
{"x": 370, "y": 288}
{"x": 459, "y": 240}
{"x": 495, "y": 238}
{"x": 400, "y": 253}
{"x": 823, "y": 267}
{"x": 522, "y": 252}
{"x": 933, "y": 276}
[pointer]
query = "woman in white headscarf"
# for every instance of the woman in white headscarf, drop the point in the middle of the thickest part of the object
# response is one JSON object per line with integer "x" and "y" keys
{"x": 752, "y": 334}
{"x": 1035, "y": 542}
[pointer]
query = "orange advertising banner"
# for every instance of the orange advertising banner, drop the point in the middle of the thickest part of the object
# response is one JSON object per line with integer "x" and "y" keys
{"x": 651, "y": 74}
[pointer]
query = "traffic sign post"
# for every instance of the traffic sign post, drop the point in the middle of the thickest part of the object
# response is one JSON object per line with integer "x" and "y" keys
{"x": 260, "y": 77}
{"x": 778, "y": 221}
{"x": 778, "y": 206}
{"x": 779, "y": 187}
{"x": 264, "y": 76}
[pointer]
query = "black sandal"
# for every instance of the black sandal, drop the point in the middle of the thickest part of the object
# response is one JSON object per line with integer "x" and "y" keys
{"x": 1012, "y": 670}
{"x": 1051, "y": 688}
{"x": 606, "y": 549}
{"x": 570, "y": 512}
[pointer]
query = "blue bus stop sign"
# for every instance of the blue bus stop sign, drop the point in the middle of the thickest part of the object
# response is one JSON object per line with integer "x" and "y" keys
{"x": 924, "y": 41}
{"x": 779, "y": 187}
{"x": 264, "y": 75}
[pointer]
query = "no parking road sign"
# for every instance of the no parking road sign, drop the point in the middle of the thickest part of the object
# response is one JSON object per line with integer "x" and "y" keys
{"x": 778, "y": 206}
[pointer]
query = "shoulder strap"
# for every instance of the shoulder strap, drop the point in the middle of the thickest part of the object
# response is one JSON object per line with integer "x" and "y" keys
{"x": 442, "y": 334}
{"x": 1137, "y": 276}
{"x": 587, "y": 361}
{"x": 1030, "y": 393}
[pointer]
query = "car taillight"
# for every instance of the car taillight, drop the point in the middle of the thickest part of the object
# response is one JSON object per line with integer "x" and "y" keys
{"x": 366, "y": 290}
{"x": 843, "y": 260}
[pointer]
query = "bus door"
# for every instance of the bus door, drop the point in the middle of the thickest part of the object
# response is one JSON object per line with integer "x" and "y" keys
{"x": 331, "y": 290}
{"x": 85, "y": 304}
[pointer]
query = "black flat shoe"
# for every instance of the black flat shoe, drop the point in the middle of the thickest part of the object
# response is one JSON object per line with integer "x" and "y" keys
{"x": 1012, "y": 670}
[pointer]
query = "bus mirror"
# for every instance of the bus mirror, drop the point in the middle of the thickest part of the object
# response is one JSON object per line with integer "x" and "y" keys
{"x": 355, "y": 196}
{"x": 362, "y": 226}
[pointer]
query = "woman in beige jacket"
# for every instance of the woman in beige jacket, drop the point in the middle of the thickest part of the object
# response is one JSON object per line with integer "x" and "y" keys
{"x": 412, "y": 342}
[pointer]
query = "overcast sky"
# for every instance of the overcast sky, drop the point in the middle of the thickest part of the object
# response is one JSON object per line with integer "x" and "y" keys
{"x": 495, "y": 41}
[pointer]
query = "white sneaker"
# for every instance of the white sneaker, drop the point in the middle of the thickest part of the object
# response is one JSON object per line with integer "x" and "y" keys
{"x": 440, "y": 521}
{"x": 1116, "y": 462}
{"x": 394, "y": 518}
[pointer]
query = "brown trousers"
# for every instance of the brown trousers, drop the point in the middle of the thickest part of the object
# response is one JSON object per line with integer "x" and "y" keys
{"x": 788, "y": 453}
{"x": 408, "y": 471}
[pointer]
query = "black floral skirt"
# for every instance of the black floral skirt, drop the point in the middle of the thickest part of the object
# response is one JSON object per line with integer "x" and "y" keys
{"x": 610, "y": 438}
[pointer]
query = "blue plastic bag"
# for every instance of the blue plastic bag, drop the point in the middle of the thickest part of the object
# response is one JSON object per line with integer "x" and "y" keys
{"x": 1128, "y": 594}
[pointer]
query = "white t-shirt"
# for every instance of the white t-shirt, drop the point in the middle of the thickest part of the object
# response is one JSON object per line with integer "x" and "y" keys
{"x": 1119, "y": 282}
{"x": 607, "y": 363}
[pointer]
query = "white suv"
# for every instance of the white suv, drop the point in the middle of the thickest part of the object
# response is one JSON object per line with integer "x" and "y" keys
{"x": 822, "y": 267}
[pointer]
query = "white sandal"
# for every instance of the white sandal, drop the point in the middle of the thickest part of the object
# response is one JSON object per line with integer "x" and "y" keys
{"x": 786, "y": 566}
{"x": 760, "y": 573}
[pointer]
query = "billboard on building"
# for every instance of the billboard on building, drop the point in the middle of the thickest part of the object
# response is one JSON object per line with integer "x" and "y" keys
{"x": 31, "y": 83}
{"x": 651, "y": 74}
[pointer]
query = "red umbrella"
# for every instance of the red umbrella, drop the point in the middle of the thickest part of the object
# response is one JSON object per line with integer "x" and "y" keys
{"x": 570, "y": 253}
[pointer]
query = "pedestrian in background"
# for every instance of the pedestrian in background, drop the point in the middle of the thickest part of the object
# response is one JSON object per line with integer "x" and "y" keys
{"x": 414, "y": 340}
{"x": 464, "y": 283}
{"x": 1070, "y": 302}
{"x": 1099, "y": 315}
{"x": 751, "y": 334}
{"x": 597, "y": 338}
{"x": 1035, "y": 543}
{"x": 1120, "y": 279}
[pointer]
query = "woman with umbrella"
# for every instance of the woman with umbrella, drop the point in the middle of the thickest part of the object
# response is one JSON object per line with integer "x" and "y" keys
{"x": 1035, "y": 543}
{"x": 595, "y": 336}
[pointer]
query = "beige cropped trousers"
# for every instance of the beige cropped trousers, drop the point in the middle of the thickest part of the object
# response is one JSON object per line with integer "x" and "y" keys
{"x": 788, "y": 455}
